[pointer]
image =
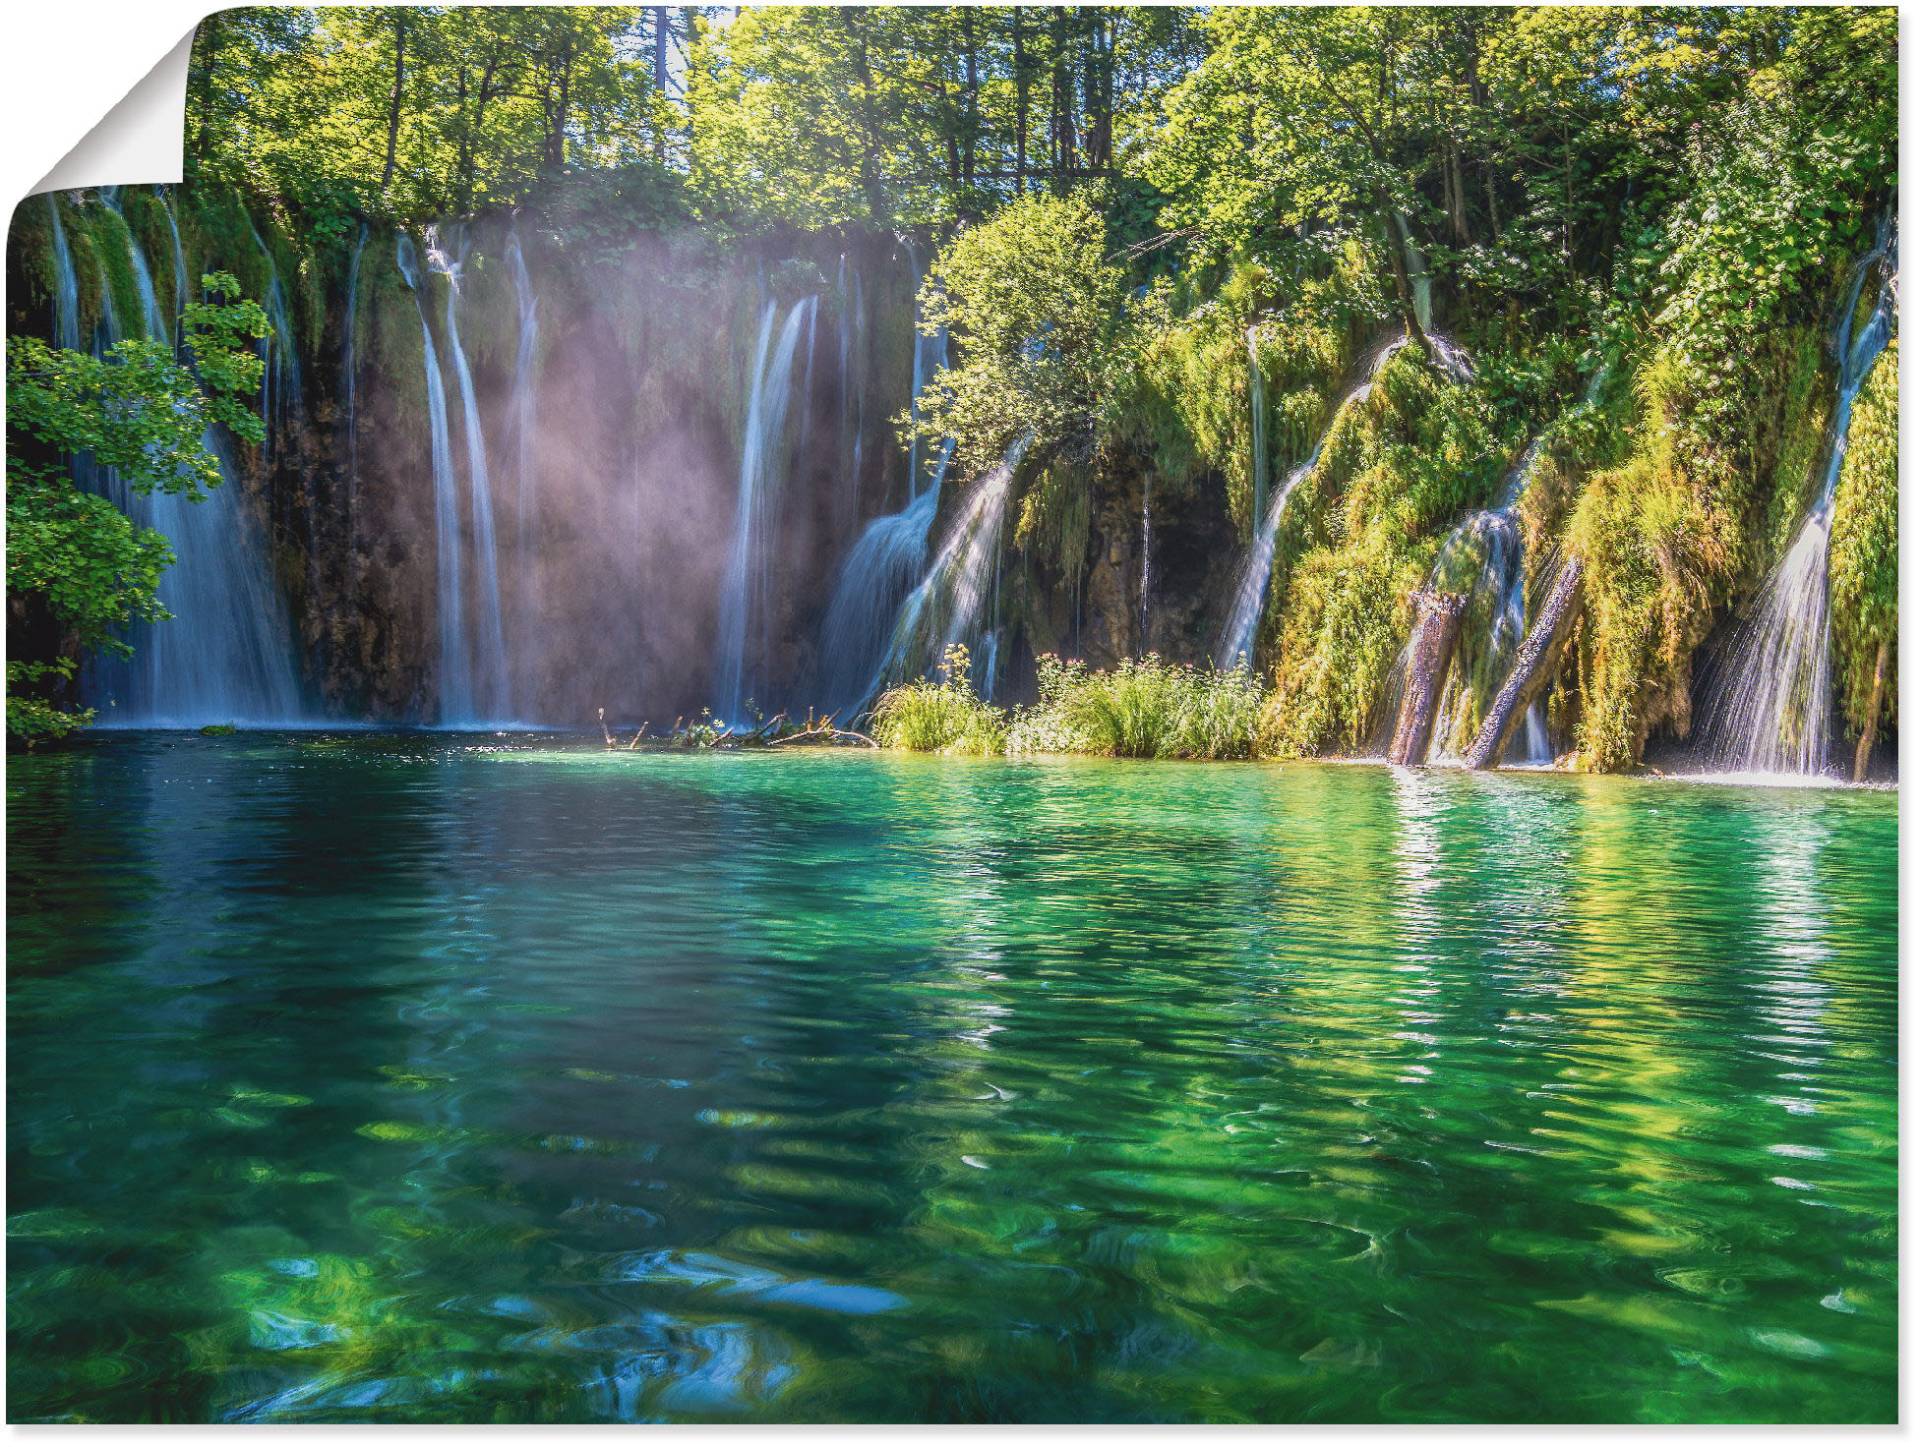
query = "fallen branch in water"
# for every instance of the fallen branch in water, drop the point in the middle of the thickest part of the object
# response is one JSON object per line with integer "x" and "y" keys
{"x": 822, "y": 732}
{"x": 776, "y": 732}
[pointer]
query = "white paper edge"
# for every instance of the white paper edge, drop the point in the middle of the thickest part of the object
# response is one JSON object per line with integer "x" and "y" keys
{"x": 140, "y": 141}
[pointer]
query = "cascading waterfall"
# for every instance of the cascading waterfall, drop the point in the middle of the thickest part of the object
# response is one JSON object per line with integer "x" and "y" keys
{"x": 488, "y": 700}
{"x": 150, "y": 315}
{"x": 851, "y": 329}
{"x": 456, "y": 673}
{"x": 1488, "y": 548}
{"x": 1418, "y": 281}
{"x": 878, "y": 572}
{"x": 66, "y": 293}
{"x": 179, "y": 265}
{"x": 526, "y": 498}
{"x": 946, "y": 608}
{"x": 1146, "y": 555}
{"x": 1487, "y": 551}
{"x": 743, "y": 594}
{"x": 1768, "y": 702}
{"x": 226, "y": 655}
{"x": 1250, "y": 596}
{"x": 881, "y": 567}
{"x": 280, "y": 382}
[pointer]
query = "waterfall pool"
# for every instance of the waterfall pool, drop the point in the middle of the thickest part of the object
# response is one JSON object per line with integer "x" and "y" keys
{"x": 441, "y": 1077}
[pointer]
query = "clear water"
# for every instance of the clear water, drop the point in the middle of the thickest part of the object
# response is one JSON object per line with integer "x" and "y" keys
{"x": 458, "y": 1077}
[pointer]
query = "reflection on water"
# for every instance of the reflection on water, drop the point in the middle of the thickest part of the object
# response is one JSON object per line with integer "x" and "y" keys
{"x": 415, "y": 1078}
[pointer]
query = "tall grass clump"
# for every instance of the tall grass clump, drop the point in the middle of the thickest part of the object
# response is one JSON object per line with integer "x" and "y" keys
{"x": 1143, "y": 709}
{"x": 943, "y": 716}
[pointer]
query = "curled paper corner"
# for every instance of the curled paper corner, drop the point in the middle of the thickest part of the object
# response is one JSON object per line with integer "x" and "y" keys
{"x": 141, "y": 140}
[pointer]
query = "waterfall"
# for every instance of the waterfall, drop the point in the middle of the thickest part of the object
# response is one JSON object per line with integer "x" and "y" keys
{"x": 66, "y": 293}
{"x": 743, "y": 594}
{"x": 929, "y": 359}
{"x": 846, "y": 287}
{"x": 179, "y": 267}
{"x": 945, "y": 609}
{"x": 885, "y": 560}
{"x": 1250, "y": 596}
{"x": 280, "y": 383}
{"x": 456, "y": 674}
{"x": 1768, "y": 701}
{"x": 1146, "y": 554}
{"x": 488, "y": 701}
{"x": 150, "y": 316}
{"x": 1487, "y": 552}
{"x": 877, "y": 574}
{"x": 226, "y": 655}
{"x": 525, "y": 483}
{"x": 1418, "y": 281}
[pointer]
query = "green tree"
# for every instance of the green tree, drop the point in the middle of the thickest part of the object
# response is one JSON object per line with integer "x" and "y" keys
{"x": 1039, "y": 313}
{"x": 78, "y": 569}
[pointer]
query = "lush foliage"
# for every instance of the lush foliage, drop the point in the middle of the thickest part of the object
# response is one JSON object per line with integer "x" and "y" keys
{"x": 1865, "y": 563}
{"x": 131, "y": 420}
{"x": 943, "y": 715}
{"x": 1164, "y": 240}
{"x": 1399, "y": 464}
{"x": 1143, "y": 709}
{"x": 1038, "y": 312}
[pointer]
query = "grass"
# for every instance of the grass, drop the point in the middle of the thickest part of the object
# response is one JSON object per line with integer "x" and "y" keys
{"x": 943, "y": 716}
{"x": 1144, "y": 709}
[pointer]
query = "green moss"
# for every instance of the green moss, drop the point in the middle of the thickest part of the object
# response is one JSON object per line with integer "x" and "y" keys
{"x": 1056, "y": 518}
{"x": 1864, "y": 564}
{"x": 107, "y": 238}
{"x": 1806, "y": 401}
{"x": 1360, "y": 535}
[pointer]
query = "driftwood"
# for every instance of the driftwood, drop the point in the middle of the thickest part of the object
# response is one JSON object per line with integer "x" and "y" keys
{"x": 1436, "y": 632}
{"x": 1863, "y": 752}
{"x": 1532, "y": 667}
{"x": 776, "y": 732}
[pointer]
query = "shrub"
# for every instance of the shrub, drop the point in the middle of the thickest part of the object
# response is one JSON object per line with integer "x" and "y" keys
{"x": 1144, "y": 709}
{"x": 945, "y": 717}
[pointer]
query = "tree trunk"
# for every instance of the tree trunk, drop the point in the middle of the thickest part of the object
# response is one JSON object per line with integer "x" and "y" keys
{"x": 463, "y": 161}
{"x": 662, "y": 27}
{"x": 1402, "y": 285}
{"x": 1065, "y": 141}
{"x": 1019, "y": 103}
{"x": 1436, "y": 631}
{"x": 1864, "y": 752}
{"x": 973, "y": 96}
{"x": 1532, "y": 667}
{"x": 393, "y": 102}
{"x": 1458, "y": 186}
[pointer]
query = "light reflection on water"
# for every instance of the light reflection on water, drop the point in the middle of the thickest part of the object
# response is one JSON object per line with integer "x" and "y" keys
{"x": 421, "y": 1078}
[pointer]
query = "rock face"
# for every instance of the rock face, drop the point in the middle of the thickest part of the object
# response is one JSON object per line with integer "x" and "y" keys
{"x": 610, "y": 373}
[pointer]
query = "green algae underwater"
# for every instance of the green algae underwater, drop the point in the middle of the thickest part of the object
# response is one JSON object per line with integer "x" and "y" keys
{"x": 367, "y": 1077}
